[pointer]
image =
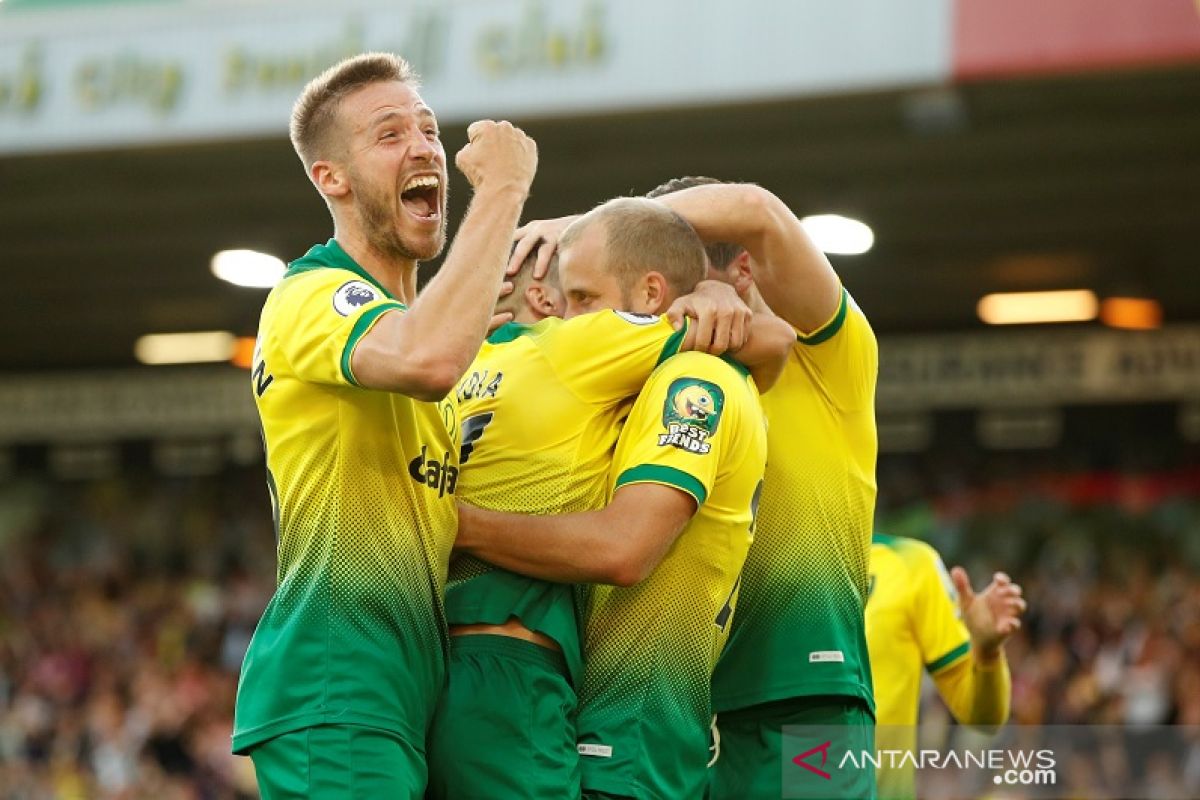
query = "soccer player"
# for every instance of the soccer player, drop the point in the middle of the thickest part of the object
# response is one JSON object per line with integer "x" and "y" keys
{"x": 919, "y": 617}
{"x": 668, "y": 545}
{"x": 347, "y": 662}
{"x": 797, "y": 653}
{"x": 541, "y": 409}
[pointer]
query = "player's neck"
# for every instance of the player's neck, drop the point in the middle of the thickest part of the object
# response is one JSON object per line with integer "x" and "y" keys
{"x": 398, "y": 276}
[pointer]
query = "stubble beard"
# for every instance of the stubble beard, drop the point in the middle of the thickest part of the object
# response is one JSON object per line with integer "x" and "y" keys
{"x": 375, "y": 210}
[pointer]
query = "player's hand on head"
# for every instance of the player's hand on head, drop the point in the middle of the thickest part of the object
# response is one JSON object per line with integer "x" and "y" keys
{"x": 499, "y": 156}
{"x": 542, "y": 234}
{"x": 721, "y": 319}
{"x": 994, "y": 614}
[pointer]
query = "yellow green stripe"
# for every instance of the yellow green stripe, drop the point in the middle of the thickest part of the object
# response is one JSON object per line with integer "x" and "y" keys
{"x": 670, "y": 476}
{"x": 831, "y": 328}
{"x": 673, "y": 343}
{"x": 949, "y": 658}
{"x": 361, "y": 326}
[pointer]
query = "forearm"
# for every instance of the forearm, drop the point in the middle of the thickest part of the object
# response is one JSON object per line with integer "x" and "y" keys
{"x": 733, "y": 213}
{"x": 456, "y": 306}
{"x": 766, "y": 350}
{"x": 790, "y": 271}
{"x": 569, "y": 548}
{"x": 977, "y": 691}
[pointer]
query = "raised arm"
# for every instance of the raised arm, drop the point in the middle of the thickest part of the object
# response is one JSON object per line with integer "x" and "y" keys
{"x": 620, "y": 544}
{"x": 792, "y": 274}
{"x": 423, "y": 351}
{"x": 978, "y": 690}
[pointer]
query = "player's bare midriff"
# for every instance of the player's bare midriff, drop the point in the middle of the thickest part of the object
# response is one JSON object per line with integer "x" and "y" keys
{"x": 513, "y": 629}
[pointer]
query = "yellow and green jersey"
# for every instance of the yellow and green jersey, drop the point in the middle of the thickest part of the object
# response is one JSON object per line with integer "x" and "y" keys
{"x": 913, "y": 624}
{"x": 363, "y": 487}
{"x": 799, "y": 630}
{"x": 540, "y": 409}
{"x": 650, "y": 649}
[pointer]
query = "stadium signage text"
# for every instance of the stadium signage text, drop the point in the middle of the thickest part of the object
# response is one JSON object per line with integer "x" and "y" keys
{"x": 22, "y": 87}
{"x": 127, "y": 74}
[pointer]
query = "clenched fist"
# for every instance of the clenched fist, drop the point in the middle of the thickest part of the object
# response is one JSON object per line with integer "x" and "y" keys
{"x": 498, "y": 156}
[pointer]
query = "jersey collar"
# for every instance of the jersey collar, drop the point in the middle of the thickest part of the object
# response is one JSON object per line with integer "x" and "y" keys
{"x": 508, "y": 331}
{"x": 331, "y": 255}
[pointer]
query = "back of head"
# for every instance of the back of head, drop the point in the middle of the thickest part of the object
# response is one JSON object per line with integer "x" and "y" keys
{"x": 314, "y": 116}
{"x": 642, "y": 236}
{"x": 721, "y": 254}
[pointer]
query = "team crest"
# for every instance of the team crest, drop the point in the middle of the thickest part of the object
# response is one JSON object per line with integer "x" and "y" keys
{"x": 691, "y": 415}
{"x": 353, "y": 295}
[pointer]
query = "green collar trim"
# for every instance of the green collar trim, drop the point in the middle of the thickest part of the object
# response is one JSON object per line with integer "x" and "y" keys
{"x": 331, "y": 256}
{"x": 884, "y": 539}
{"x": 508, "y": 332}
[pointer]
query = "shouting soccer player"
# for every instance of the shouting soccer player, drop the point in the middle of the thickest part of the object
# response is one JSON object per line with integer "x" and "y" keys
{"x": 541, "y": 409}
{"x": 347, "y": 662}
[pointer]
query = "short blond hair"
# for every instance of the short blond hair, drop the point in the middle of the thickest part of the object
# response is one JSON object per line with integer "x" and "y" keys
{"x": 642, "y": 236}
{"x": 315, "y": 110}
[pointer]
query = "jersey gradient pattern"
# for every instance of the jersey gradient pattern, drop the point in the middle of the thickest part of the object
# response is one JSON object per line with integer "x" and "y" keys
{"x": 645, "y": 705}
{"x": 363, "y": 485}
{"x": 541, "y": 409}
{"x": 800, "y": 629}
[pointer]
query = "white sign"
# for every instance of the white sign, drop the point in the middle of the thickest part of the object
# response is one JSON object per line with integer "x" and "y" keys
{"x": 1038, "y": 368}
{"x": 87, "y": 77}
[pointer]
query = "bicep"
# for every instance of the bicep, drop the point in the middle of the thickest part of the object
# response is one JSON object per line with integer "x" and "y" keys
{"x": 646, "y": 519}
{"x": 793, "y": 275}
{"x": 385, "y": 354}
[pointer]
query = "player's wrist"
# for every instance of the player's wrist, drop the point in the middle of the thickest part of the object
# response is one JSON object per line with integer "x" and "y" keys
{"x": 512, "y": 190}
{"x": 988, "y": 655}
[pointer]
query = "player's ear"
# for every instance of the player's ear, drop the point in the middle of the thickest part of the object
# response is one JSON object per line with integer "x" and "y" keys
{"x": 544, "y": 301}
{"x": 740, "y": 273}
{"x": 329, "y": 178}
{"x": 654, "y": 291}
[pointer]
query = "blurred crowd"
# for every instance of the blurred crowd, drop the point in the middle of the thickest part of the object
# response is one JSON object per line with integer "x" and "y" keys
{"x": 125, "y": 608}
{"x": 126, "y": 605}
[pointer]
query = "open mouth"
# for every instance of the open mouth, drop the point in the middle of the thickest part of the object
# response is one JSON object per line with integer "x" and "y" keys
{"x": 420, "y": 197}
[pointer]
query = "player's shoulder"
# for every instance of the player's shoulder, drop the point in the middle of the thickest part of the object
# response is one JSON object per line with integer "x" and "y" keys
{"x": 518, "y": 332}
{"x": 611, "y": 325}
{"x": 339, "y": 282}
{"x": 847, "y": 322}
{"x": 913, "y": 553}
{"x": 704, "y": 365}
{"x": 701, "y": 389}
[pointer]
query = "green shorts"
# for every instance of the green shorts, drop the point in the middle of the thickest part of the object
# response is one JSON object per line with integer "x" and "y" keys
{"x": 758, "y": 757}
{"x": 505, "y": 726}
{"x": 339, "y": 762}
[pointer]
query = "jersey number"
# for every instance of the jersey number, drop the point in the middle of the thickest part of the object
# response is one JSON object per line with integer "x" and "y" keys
{"x": 472, "y": 432}
{"x": 727, "y": 610}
